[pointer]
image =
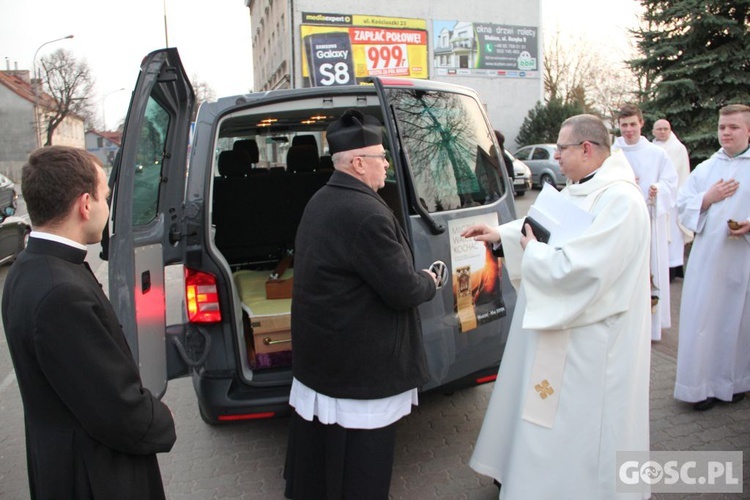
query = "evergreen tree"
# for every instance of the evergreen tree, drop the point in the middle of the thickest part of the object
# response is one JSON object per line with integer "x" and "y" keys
{"x": 696, "y": 59}
{"x": 542, "y": 124}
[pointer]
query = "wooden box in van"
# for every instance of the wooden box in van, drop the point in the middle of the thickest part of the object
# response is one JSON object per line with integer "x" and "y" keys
{"x": 270, "y": 319}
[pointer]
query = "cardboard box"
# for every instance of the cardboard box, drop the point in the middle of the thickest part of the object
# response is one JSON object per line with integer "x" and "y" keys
{"x": 279, "y": 288}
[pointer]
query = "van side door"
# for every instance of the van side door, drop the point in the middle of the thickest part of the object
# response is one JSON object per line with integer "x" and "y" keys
{"x": 148, "y": 190}
{"x": 449, "y": 169}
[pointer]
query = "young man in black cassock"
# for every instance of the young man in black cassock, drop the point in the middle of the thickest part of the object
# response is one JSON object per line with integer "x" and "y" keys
{"x": 92, "y": 430}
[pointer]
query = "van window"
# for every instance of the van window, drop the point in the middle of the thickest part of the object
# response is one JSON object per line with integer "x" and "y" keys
{"x": 151, "y": 146}
{"x": 449, "y": 149}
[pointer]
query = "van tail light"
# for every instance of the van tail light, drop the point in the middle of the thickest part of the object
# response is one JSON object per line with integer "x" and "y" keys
{"x": 201, "y": 297}
{"x": 485, "y": 380}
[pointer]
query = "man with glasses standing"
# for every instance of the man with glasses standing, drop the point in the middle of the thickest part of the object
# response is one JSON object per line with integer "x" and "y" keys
{"x": 358, "y": 355}
{"x": 657, "y": 179}
{"x": 573, "y": 384}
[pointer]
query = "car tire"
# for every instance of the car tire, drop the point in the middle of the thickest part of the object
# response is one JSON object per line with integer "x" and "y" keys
{"x": 520, "y": 193}
{"x": 546, "y": 179}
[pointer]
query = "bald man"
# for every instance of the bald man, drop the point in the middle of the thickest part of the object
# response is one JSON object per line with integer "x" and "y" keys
{"x": 678, "y": 153}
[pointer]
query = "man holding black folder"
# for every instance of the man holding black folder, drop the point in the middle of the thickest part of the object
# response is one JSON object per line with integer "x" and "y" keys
{"x": 573, "y": 385}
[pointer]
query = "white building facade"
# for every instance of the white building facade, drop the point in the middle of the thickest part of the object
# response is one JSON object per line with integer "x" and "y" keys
{"x": 494, "y": 47}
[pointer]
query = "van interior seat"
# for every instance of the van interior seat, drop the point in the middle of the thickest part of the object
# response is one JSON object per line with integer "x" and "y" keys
{"x": 302, "y": 158}
{"x": 305, "y": 140}
{"x": 256, "y": 217}
{"x": 326, "y": 163}
{"x": 233, "y": 164}
{"x": 250, "y": 147}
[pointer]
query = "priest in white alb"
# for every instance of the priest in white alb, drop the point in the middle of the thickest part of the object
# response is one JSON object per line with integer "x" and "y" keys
{"x": 573, "y": 385}
{"x": 713, "y": 356}
{"x": 657, "y": 179}
{"x": 665, "y": 138}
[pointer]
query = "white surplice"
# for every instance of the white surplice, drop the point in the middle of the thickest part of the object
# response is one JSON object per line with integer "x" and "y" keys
{"x": 595, "y": 290}
{"x": 652, "y": 166}
{"x": 713, "y": 357}
{"x": 679, "y": 236}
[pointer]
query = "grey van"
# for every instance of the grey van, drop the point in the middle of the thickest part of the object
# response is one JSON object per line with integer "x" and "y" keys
{"x": 218, "y": 198}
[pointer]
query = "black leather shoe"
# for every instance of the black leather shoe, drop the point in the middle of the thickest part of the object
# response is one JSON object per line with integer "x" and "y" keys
{"x": 704, "y": 405}
{"x": 737, "y": 397}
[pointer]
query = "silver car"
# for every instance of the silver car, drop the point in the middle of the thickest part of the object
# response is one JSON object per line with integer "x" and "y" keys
{"x": 545, "y": 169}
{"x": 521, "y": 176}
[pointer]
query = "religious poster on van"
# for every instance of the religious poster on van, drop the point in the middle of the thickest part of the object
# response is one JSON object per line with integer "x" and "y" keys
{"x": 462, "y": 48}
{"x": 346, "y": 49}
{"x": 477, "y": 275}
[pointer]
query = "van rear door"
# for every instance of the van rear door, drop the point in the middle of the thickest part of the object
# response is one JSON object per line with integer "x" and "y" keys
{"x": 148, "y": 189}
{"x": 451, "y": 176}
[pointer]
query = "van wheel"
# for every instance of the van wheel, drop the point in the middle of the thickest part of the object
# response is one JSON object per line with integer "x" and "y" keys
{"x": 546, "y": 179}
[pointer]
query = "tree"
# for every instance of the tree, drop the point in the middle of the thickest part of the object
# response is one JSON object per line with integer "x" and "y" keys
{"x": 578, "y": 78}
{"x": 542, "y": 124}
{"x": 696, "y": 59}
{"x": 70, "y": 84}
{"x": 613, "y": 86}
{"x": 203, "y": 93}
{"x": 568, "y": 70}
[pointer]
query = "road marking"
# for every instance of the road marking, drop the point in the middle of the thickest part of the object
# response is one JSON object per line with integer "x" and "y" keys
{"x": 8, "y": 380}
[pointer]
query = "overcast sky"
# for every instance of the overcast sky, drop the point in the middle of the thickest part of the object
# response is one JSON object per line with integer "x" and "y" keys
{"x": 213, "y": 37}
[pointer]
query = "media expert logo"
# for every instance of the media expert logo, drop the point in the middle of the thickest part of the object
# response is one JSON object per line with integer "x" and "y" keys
{"x": 679, "y": 471}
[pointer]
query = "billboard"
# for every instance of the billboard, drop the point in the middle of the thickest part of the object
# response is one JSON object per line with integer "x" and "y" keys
{"x": 462, "y": 48}
{"x": 344, "y": 49}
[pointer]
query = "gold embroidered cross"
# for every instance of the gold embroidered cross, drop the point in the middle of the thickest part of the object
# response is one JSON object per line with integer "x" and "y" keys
{"x": 544, "y": 389}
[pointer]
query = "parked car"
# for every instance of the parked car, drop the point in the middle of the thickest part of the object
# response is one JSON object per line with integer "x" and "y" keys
{"x": 8, "y": 196}
{"x": 545, "y": 169}
{"x": 230, "y": 219}
{"x": 14, "y": 234}
{"x": 521, "y": 176}
{"x": 14, "y": 231}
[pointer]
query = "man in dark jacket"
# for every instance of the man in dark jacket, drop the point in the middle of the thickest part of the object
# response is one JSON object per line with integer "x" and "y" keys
{"x": 92, "y": 430}
{"x": 358, "y": 353}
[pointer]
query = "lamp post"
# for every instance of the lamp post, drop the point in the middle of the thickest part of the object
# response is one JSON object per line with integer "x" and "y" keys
{"x": 37, "y": 82}
{"x": 104, "y": 106}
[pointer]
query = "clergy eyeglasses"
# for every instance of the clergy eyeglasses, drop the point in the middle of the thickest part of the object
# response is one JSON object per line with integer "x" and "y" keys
{"x": 382, "y": 156}
{"x": 563, "y": 147}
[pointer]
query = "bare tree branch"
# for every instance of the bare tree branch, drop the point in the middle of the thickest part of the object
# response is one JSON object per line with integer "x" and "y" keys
{"x": 70, "y": 84}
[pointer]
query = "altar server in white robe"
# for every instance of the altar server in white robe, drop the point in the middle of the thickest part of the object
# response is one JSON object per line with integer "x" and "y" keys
{"x": 657, "y": 179}
{"x": 665, "y": 138}
{"x": 573, "y": 385}
{"x": 713, "y": 357}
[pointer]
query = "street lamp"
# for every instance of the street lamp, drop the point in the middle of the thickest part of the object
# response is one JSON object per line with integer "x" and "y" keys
{"x": 104, "y": 106}
{"x": 36, "y": 87}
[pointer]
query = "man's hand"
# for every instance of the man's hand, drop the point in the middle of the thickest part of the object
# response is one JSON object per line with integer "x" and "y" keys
{"x": 744, "y": 228}
{"x": 529, "y": 236}
{"x": 719, "y": 191}
{"x": 482, "y": 232}
{"x": 433, "y": 275}
{"x": 652, "y": 190}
